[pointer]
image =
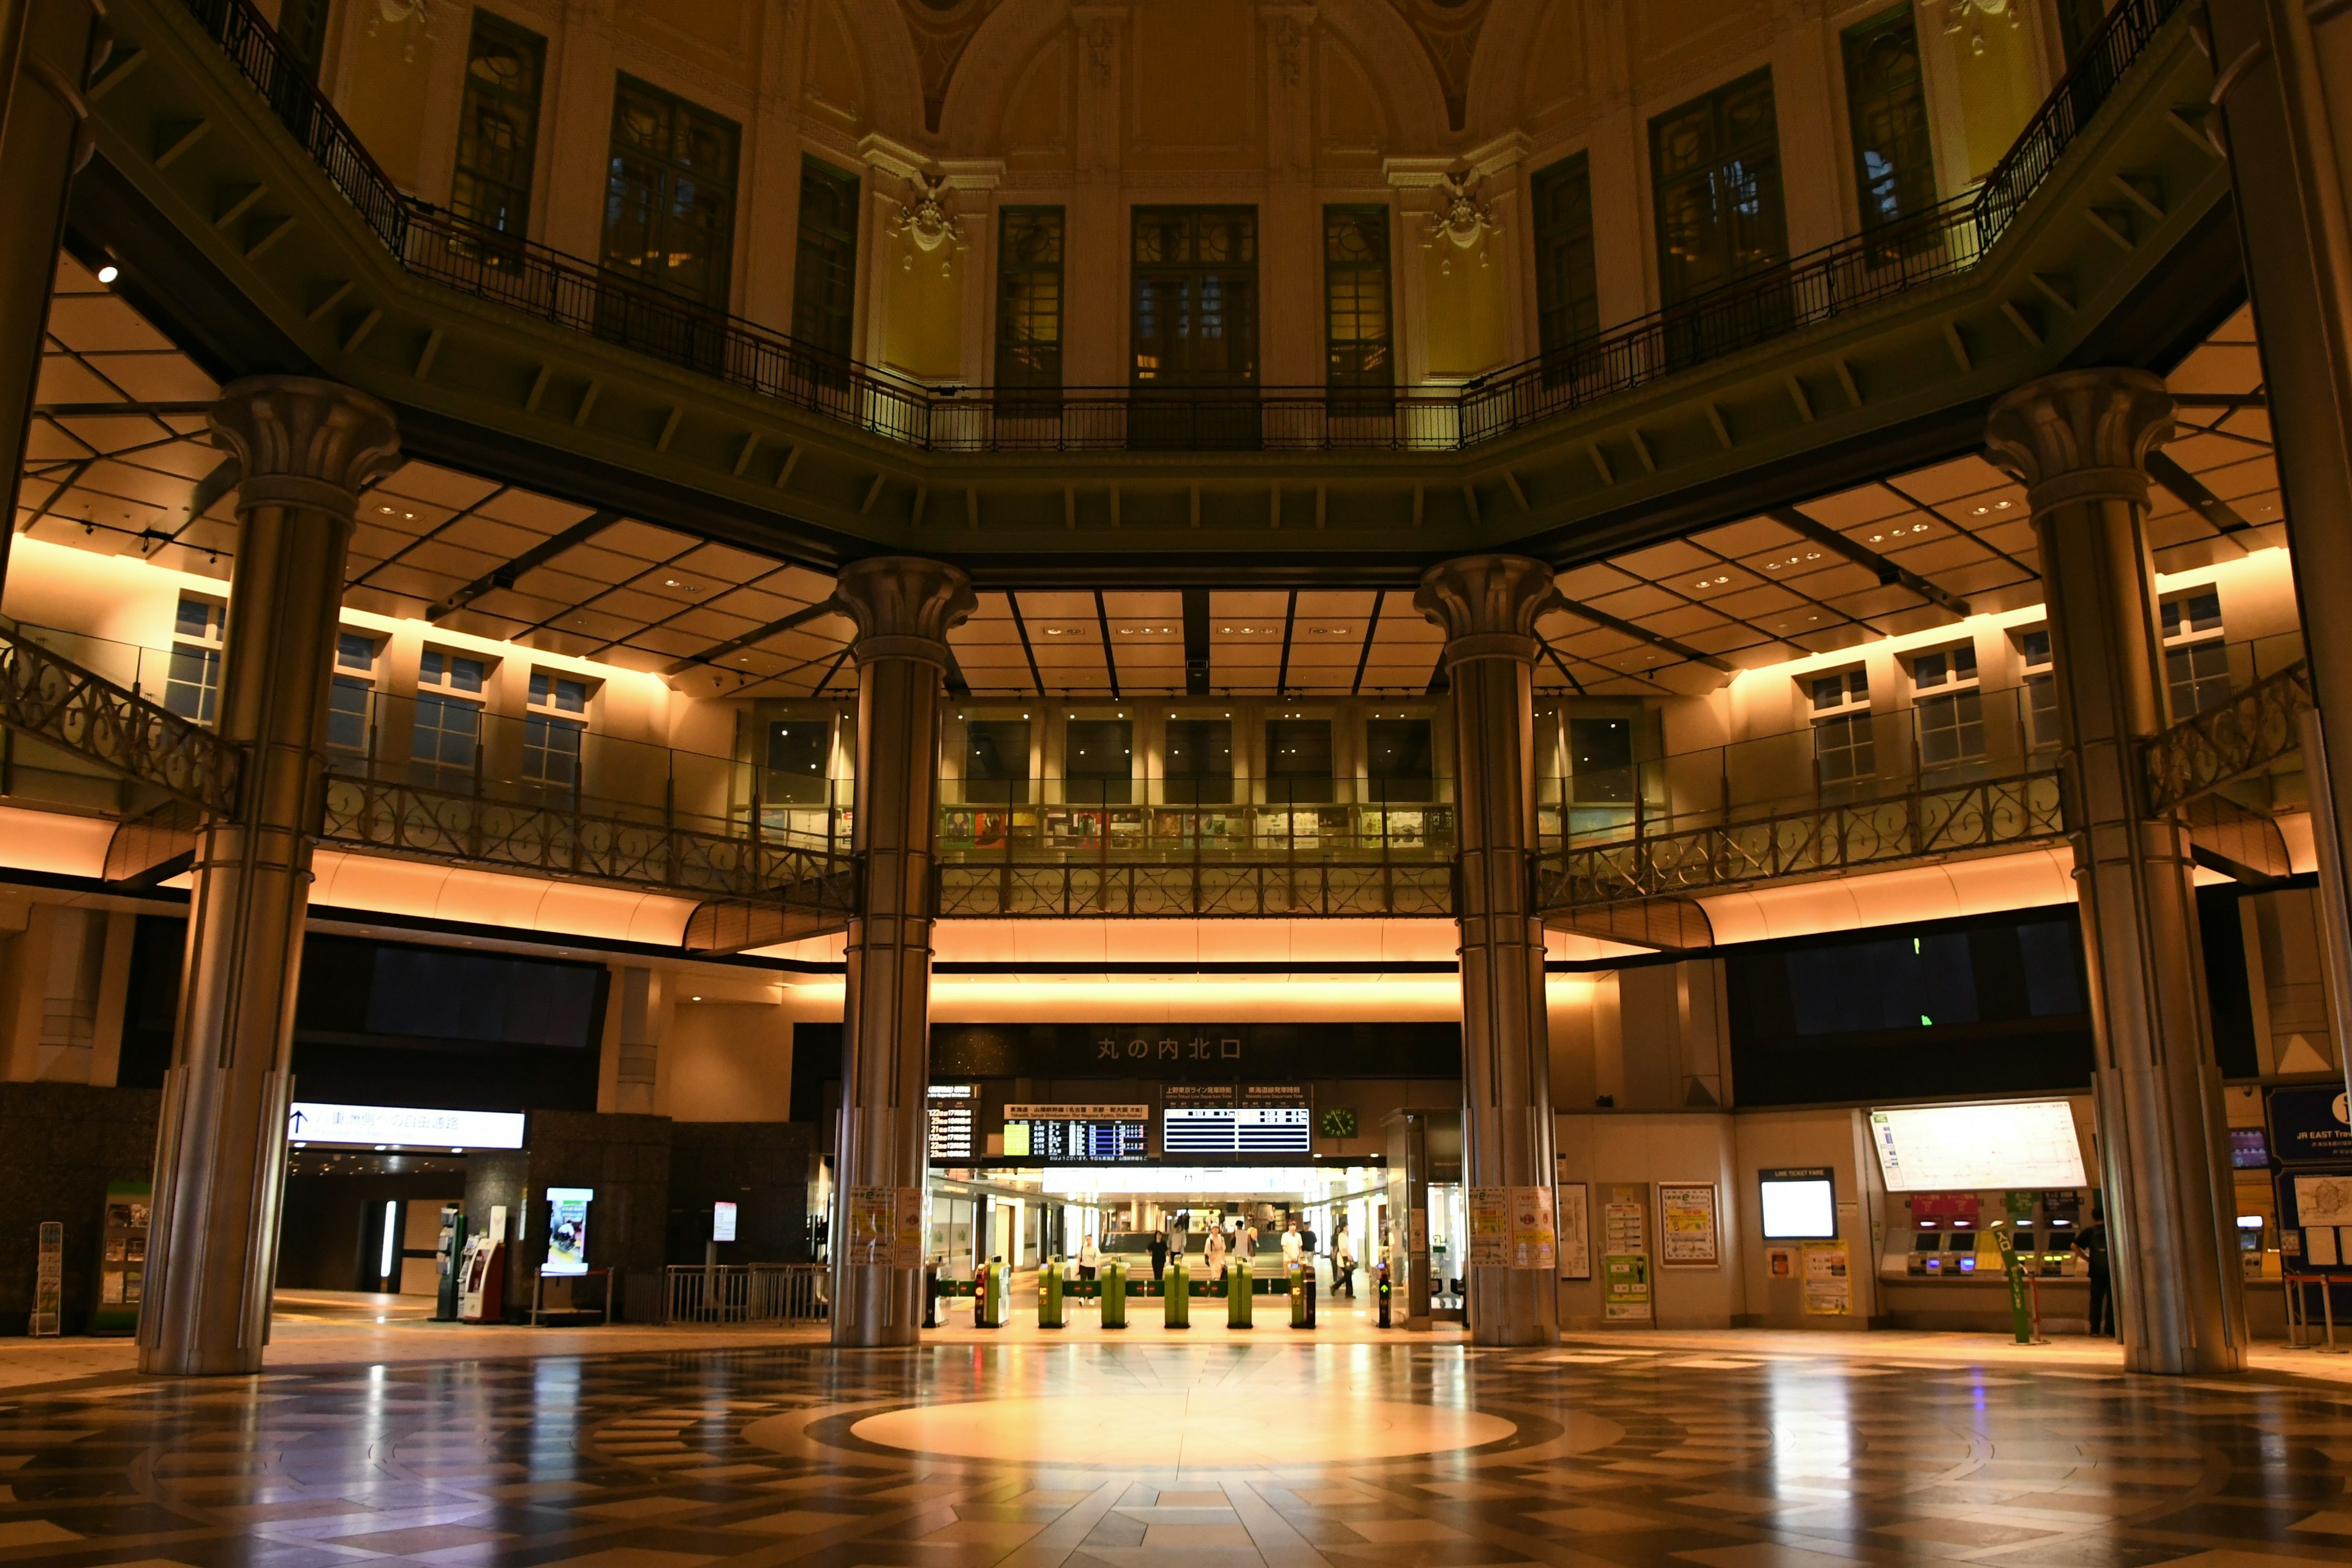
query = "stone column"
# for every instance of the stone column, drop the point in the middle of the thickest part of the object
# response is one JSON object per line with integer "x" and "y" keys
{"x": 902, "y": 609}
{"x": 306, "y": 448}
{"x": 2283, "y": 92}
{"x": 47, "y": 50}
{"x": 2077, "y": 441}
{"x": 1488, "y": 605}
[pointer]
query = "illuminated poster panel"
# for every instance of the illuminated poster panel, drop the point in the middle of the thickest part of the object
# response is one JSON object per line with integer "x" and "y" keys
{"x": 1956, "y": 1148}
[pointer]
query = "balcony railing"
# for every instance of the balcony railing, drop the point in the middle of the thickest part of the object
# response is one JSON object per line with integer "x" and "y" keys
{"x": 97, "y": 725}
{"x": 581, "y": 296}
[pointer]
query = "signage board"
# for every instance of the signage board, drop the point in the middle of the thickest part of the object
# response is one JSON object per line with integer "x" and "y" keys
{"x": 951, "y": 1108}
{"x": 1798, "y": 1203}
{"x": 1575, "y": 1231}
{"x": 403, "y": 1127}
{"x": 722, "y": 1222}
{"x": 1076, "y": 1133}
{"x": 567, "y": 1230}
{"x": 1687, "y": 1224}
{"x": 1829, "y": 1280}
{"x": 1193, "y": 1129}
{"x": 1945, "y": 1148}
{"x": 2309, "y": 1124}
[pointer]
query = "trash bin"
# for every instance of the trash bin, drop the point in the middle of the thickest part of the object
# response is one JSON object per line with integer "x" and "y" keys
{"x": 1112, "y": 1277}
{"x": 1237, "y": 1295}
{"x": 1049, "y": 1294}
{"x": 1299, "y": 1317}
{"x": 1176, "y": 1295}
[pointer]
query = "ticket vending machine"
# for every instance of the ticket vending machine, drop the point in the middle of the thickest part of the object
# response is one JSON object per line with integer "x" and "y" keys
{"x": 482, "y": 1269}
{"x": 448, "y": 1264}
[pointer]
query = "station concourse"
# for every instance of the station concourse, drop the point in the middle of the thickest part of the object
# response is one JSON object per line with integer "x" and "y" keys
{"x": 1454, "y": 782}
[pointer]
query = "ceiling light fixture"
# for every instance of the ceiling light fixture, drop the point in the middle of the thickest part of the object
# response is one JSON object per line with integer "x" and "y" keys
{"x": 109, "y": 273}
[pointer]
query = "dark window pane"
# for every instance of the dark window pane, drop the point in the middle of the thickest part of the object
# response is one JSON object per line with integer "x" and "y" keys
{"x": 1715, "y": 169}
{"x": 498, "y": 125}
{"x": 1029, "y": 306}
{"x": 798, "y": 752}
{"x": 1200, "y": 761}
{"x": 347, "y": 714}
{"x": 1893, "y": 158}
{"x": 996, "y": 760}
{"x": 1568, "y": 299}
{"x": 1098, "y": 761}
{"x": 1400, "y": 760}
{"x": 669, "y": 201}
{"x": 1601, "y": 760}
{"x": 1196, "y": 292}
{"x": 1297, "y": 761}
{"x": 1356, "y": 325}
{"x": 825, "y": 267}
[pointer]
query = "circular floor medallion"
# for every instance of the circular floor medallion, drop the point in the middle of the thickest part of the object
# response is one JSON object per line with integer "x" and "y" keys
{"x": 1158, "y": 1429}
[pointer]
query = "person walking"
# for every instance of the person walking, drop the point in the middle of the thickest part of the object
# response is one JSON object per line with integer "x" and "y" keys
{"x": 2091, "y": 1247}
{"x": 1089, "y": 1257}
{"x": 1213, "y": 1256}
{"x": 1343, "y": 1263}
{"x": 1159, "y": 1255}
{"x": 1294, "y": 1246}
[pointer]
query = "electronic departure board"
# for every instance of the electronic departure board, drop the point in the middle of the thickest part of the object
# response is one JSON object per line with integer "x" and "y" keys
{"x": 1235, "y": 1129}
{"x": 1076, "y": 1133}
{"x": 951, "y": 1107}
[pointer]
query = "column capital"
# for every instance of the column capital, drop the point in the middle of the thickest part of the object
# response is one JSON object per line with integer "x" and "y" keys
{"x": 303, "y": 442}
{"x": 903, "y": 606}
{"x": 2081, "y": 435}
{"x": 1487, "y": 606}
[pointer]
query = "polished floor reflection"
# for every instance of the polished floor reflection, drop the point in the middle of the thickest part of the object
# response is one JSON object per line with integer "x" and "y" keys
{"x": 1211, "y": 1455}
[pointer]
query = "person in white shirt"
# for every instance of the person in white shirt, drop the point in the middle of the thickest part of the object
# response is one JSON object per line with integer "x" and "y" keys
{"x": 1343, "y": 1255}
{"x": 1213, "y": 1258}
{"x": 1089, "y": 1257}
{"x": 1294, "y": 1246}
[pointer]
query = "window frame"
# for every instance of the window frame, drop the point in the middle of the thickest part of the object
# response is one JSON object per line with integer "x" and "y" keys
{"x": 1019, "y": 387}
{"x": 1567, "y": 283}
{"x": 673, "y": 173}
{"x": 520, "y": 182}
{"x": 1725, "y": 154}
{"x": 1912, "y": 183}
{"x": 1372, "y": 376}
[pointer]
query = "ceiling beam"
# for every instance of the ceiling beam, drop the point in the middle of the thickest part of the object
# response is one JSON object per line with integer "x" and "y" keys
{"x": 539, "y": 554}
{"x": 718, "y": 651}
{"x": 1196, "y": 642}
{"x": 2191, "y": 493}
{"x": 1861, "y": 555}
{"x": 1679, "y": 649}
{"x": 1110, "y": 659}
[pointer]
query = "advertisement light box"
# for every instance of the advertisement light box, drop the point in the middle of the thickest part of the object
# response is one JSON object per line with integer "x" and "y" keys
{"x": 403, "y": 1127}
{"x": 1798, "y": 1204}
{"x": 1949, "y": 1148}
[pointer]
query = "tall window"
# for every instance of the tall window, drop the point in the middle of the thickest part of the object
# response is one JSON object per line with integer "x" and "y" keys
{"x": 497, "y": 128}
{"x": 996, "y": 761}
{"x": 351, "y": 699}
{"x": 1297, "y": 761}
{"x": 552, "y": 730}
{"x": 669, "y": 202}
{"x": 191, "y": 680}
{"x": 2079, "y": 21}
{"x": 1949, "y": 706}
{"x": 1400, "y": 763}
{"x": 824, "y": 270}
{"x": 1029, "y": 304}
{"x": 1715, "y": 171}
{"x": 2040, "y": 689}
{"x": 799, "y": 751}
{"x": 446, "y": 742}
{"x": 1845, "y": 752}
{"x": 303, "y": 27}
{"x": 1099, "y": 761}
{"x": 1200, "y": 763}
{"x": 1356, "y": 328}
{"x": 1894, "y": 161}
{"x": 1568, "y": 298}
{"x": 2196, "y": 656}
{"x": 1195, "y": 297}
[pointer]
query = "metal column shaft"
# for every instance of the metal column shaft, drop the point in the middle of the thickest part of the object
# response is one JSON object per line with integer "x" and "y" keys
{"x": 2077, "y": 441}
{"x": 903, "y": 609}
{"x": 1487, "y": 606}
{"x": 306, "y": 448}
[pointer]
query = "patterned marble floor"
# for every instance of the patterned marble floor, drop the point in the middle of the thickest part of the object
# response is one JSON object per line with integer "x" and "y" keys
{"x": 1213, "y": 1454}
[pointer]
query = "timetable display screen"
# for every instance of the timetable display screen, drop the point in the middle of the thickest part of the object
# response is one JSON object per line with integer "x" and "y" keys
{"x": 951, "y": 1107}
{"x": 1236, "y": 1130}
{"x": 1077, "y": 1132}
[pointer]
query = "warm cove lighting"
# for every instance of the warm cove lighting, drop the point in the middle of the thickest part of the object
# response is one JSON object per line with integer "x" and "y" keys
{"x": 993, "y": 998}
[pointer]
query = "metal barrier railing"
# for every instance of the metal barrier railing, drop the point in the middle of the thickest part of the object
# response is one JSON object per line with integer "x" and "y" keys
{"x": 743, "y": 1294}
{"x": 581, "y": 297}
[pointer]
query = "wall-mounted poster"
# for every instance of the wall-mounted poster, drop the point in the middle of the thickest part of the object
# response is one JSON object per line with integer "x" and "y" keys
{"x": 1535, "y": 1241}
{"x": 1625, "y": 1252}
{"x": 567, "y": 1230}
{"x": 1686, "y": 1227}
{"x": 1624, "y": 1289}
{"x": 1575, "y": 1231}
{"x": 1490, "y": 1220}
{"x": 1829, "y": 1281}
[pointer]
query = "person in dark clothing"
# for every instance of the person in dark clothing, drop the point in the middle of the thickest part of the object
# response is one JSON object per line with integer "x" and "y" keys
{"x": 1159, "y": 1255}
{"x": 2091, "y": 1245}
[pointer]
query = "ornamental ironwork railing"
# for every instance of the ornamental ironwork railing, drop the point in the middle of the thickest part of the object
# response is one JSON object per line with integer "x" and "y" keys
{"x": 1318, "y": 889}
{"x": 2247, "y": 733}
{"x": 1771, "y": 303}
{"x": 399, "y": 819}
{"x": 52, "y": 699}
{"x": 1993, "y": 814}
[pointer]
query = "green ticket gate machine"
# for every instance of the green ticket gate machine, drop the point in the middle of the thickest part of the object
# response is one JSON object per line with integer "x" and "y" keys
{"x": 1302, "y": 1306}
{"x": 1049, "y": 1295}
{"x": 1237, "y": 1295}
{"x": 2021, "y": 1313}
{"x": 1176, "y": 1294}
{"x": 989, "y": 1295}
{"x": 1114, "y": 1293}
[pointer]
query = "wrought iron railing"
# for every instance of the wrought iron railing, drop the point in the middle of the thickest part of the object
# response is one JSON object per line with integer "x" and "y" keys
{"x": 400, "y": 819}
{"x": 52, "y": 699}
{"x": 2247, "y": 733}
{"x": 1318, "y": 889}
{"x": 1746, "y": 313}
{"x": 1997, "y": 814}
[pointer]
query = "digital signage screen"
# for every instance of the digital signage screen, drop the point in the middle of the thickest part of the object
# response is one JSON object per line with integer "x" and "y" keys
{"x": 1958, "y": 1148}
{"x": 1077, "y": 1133}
